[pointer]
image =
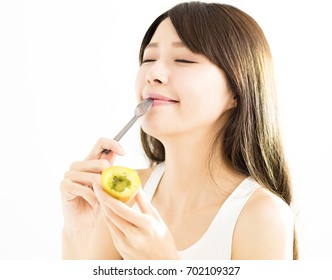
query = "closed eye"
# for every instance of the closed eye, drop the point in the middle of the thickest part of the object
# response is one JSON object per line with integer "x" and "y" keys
{"x": 184, "y": 61}
{"x": 176, "y": 60}
{"x": 148, "y": 60}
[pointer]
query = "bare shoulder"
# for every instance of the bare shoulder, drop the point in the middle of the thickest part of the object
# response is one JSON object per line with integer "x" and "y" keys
{"x": 264, "y": 229}
{"x": 144, "y": 174}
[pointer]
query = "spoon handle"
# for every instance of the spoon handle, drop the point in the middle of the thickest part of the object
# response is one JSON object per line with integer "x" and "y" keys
{"x": 122, "y": 132}
{"x": 140, "y": 110}
{"x": 126, "y": 128}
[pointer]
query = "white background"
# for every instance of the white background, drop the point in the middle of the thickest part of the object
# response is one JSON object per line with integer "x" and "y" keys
{"x": 67, "y": 73}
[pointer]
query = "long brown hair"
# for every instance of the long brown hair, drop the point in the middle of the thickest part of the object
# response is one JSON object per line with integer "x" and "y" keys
{"x": 233, "y": 41}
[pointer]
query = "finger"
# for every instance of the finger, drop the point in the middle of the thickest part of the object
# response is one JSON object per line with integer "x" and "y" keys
{"x": 71, "y": 190}
{"x": 109, "y": 144}
{"x": 118, "y": 222}
{"x": 119, "y": 239}
{"x": 84, "y": 178}
{"x": 117, "y": 234}
{"x": 145, "y": 205}
{"x": 110, "y": 156}
{"x": 94, "y": 166}
{"x": 119, "y": 208}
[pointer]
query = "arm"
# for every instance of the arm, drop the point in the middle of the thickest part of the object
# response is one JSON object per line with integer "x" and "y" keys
{"x": 264, "y": 229}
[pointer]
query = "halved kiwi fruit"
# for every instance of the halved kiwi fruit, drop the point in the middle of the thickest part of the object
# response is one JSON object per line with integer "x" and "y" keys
{"x": 120, "y": 182}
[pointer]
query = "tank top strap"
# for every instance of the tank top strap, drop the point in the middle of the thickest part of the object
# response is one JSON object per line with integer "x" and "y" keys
{"x": 216, "y": 243}
{"x": 229, "y": 213}
{"x": 153, "y": 181}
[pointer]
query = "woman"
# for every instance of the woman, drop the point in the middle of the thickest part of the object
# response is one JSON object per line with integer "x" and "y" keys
{"x": 218, "y": 186}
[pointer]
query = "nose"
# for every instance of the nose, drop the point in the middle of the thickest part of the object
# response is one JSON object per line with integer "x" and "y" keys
{"x": 157, "y": 74}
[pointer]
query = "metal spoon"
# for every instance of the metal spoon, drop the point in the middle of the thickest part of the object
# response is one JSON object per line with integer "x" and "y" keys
{"x": 141, "y": 109}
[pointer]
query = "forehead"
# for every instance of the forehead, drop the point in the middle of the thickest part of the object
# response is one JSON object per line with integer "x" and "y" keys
{"x": 165, "y": 32}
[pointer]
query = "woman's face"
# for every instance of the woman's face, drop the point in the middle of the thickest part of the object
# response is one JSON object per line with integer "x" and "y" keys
{"x": 190, "y": 93}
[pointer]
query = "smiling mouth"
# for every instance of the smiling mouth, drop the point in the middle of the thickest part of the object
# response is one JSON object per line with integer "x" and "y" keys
{"x": 158, "y": 102}
{"x": 161, "y": 100}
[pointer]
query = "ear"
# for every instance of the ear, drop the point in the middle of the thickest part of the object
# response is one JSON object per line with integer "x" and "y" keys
{"x": 233, "y": 102}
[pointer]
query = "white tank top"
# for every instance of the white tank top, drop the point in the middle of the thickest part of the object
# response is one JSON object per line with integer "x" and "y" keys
{"x": 216, "y": 243}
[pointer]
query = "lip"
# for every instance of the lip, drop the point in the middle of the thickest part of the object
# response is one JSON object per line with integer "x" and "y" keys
{"x": 160, "y": 99}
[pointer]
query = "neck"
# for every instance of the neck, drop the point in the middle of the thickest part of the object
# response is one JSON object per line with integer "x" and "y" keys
{"x": 187, "y": 157}
{"x": 196, "y": 171}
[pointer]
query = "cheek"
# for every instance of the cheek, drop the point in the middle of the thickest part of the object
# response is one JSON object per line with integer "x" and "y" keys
{"x": 207, "y": 89}
{"x": 139, "y": 84}
{"x": 212, "y": 99}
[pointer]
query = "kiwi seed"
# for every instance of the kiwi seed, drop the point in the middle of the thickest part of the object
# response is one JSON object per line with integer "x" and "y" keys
{"x": 120, "y": 183}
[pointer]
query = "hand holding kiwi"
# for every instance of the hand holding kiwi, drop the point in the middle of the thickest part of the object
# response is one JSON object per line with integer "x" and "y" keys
{"x": 120, "y": 182}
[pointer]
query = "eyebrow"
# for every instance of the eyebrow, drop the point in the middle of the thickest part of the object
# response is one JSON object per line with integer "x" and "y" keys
{"x": 174, "y": 44}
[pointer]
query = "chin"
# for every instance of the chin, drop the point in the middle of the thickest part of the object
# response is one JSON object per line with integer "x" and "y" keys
{"x": 158, "y": 130}
{"x": 152, "y": 130}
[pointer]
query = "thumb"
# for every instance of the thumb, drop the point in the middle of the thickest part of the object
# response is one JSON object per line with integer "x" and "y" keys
{"x": 145, "y": 205}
